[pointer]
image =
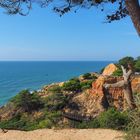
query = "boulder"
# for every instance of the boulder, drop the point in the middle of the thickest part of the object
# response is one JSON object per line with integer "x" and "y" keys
{"x": 109, "y": 69}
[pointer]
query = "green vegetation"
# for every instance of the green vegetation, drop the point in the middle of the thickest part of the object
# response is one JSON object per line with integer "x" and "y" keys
{"x": 72, "y": 85}
{"x": 137, "y": 65}
{"x": 86, "y": 85}
{"x": 55, "y": 89}
{"x": 134, "y": 63}
{"x": 31, "y": 111}
{"x": 27, "y": 101}
{"x": 55, "y": 101}
{"x": 126, "y": 60}
{"x": 50, "y": 114}
{"x": 133, "y": 128}
{"x": 88, "y": 76}
{"x": 118, "y": 72}
{"x": 48, "y": 111}
{"x": 113, "y": 119}
{"x": 75, "y": 85}
{"x": 109, "y": 119}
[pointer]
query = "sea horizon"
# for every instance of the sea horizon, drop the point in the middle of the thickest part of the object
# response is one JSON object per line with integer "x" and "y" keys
{"x": 58, "y": 60}
{"x": 16, "y": 76}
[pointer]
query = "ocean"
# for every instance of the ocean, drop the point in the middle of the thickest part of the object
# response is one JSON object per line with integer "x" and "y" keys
{"x": 17, "y": 76}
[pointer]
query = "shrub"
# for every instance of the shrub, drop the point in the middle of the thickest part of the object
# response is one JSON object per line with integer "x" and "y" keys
{"x": 55, "y": 101}
{"x": 27, "y": 101}
{"x": 133, "y": 127}
{"x": 55, "y": 89}
{"x": 126, "y": 60}
{"x": 117, "y": 73}
{"x": 45, "y": 124}
{"x": 87, "y": 76}
{"x": 86, "y": 85}
{"x": 19, "y": 123}
{"x": 72, "y": 85}
{"x": 54, "y": 116}
{"x": 113, "y": 119}
{"x": 137, "y": 66}
{"x": 109, "y": 119}
{"x": 14, "y": 123}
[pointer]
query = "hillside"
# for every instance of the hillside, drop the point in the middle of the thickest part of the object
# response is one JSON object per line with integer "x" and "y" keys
{"x": 81, "y": 102}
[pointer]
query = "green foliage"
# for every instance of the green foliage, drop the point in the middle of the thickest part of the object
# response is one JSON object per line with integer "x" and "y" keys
{"x": 133, "y": 127}
{"x": 113, "y": 119}
{"x": 27, "y": 101}
{"x": 109, "y": 119}
{"x": 55, "y": 89}
{"x": 118, "y": 72}
{"x": 45, "y": 124}
{"x": 55, "y": 101}
{"x": 86, "y": 85}
{"x": 27, "y": 123}
{"x": 14, "y": 123}
{"x": 72, "y": 85}
{"x": 87, "y": 76}
{"x": 75, "y": 85}
{"x": 51, "y": 120}
{"x": 20, "y": 122}
{"x": 126, "y": 60}
{"x": 54, "y": 116}
{"x": 137, "y": 66}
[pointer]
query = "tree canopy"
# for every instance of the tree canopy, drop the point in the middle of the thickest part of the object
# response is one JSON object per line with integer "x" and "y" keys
{"x": 120, "y": 8}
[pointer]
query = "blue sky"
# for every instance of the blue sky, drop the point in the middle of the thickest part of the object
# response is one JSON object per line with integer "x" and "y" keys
{"x": 43, "y": 35}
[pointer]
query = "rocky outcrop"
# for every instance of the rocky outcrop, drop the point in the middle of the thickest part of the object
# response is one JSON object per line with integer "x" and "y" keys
{"x": 109, "y": 69}
{"x": 136, "y": 83}
{"x": 87, "y": 103}
{"x": 113, "y": 97}
{"x": 83, "y": 104}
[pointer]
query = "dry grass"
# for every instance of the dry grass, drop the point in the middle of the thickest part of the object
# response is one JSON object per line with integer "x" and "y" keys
{"x": 134, "y": 125}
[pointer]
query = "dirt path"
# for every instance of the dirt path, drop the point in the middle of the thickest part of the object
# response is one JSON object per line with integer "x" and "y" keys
{"x": 64, "y": 134}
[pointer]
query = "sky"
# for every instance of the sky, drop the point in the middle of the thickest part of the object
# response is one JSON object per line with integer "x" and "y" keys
{"x": 81, "y": 36}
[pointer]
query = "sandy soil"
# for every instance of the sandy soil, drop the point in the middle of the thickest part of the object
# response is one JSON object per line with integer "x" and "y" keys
{"x": 65, "y": 134}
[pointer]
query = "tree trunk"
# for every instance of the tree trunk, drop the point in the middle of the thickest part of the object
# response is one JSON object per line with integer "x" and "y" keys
{"x": 128, "y": 95}
{"x": 126, "y": 85}
{"x": 133, "y": 8}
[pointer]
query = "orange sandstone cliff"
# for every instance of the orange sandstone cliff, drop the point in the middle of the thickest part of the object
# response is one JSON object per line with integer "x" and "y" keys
{"x": 113, "y": 97}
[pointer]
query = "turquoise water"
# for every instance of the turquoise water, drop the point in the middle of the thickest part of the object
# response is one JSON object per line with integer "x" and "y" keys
{"x": 16, "y": 76}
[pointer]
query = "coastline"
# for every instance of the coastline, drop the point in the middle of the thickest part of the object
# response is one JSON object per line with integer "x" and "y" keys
{"x": 35, "y": 75}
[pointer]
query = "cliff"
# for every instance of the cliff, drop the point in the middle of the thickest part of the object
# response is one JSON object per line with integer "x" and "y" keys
{"x": 58, "y": 101}
{"x": 109, "y": 69}
{"x": 97, "y": 99}
{"x": 112, "y": 97}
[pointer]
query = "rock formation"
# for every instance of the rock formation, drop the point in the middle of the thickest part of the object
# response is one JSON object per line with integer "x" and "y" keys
{"x": 109, "y": 69}
{"x": 113, "y": 96}
{"x": 91, "y": 102}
